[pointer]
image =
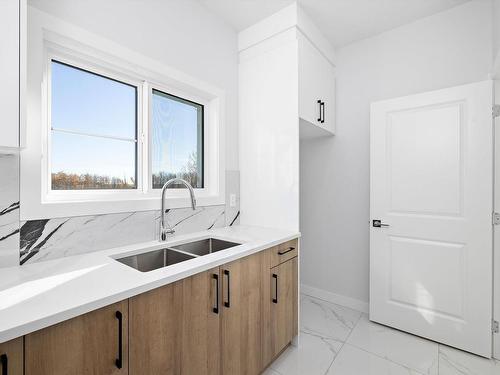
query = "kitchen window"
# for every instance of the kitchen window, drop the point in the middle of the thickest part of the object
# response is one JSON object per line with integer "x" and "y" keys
{"x": 93, "y": 131}
{"x": 176, "y": 140}
{"x": 106, "y": 132}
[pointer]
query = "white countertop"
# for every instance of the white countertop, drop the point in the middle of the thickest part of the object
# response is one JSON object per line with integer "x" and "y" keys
{"x": 39, "y": 295}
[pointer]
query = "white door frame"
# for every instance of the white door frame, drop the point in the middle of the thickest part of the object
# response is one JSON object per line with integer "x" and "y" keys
{"x": 496, "y": 229}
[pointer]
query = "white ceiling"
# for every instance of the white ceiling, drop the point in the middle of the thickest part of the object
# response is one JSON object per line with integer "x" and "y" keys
{"x": 342, "y": 21}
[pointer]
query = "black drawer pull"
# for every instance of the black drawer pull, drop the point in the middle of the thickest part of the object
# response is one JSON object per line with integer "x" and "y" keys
{"x": 228, "y": 302}
{"x": 119, "y": 360}
{"x": 275, "y": 277}
{"x": 216, "y": 278}
{"x": 320, "y": 112}
{"x": 4, "y": 360}
{"x": 286, "y": 251}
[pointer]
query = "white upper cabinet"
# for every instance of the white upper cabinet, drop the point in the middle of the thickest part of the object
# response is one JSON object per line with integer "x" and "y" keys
{"x": 313, "y": 64}
{"x": 10, "y": 42}
{"x": 285, "y": 67}
{"x": 316, "y": 86}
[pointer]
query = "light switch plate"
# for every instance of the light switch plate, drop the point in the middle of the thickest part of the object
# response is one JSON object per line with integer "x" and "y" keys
{"x": 232, "y": 200}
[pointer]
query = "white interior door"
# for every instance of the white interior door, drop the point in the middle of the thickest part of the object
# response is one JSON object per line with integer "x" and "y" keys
{"x": 432, "y": 184}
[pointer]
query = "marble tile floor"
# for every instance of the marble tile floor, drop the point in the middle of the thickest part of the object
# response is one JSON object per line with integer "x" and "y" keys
{"x": 335, "y": 340}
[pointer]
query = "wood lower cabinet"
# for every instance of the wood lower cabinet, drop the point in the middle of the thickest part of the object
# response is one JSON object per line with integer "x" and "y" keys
{"x": 283, "y": 305}
{"x": 92, "y": 344}
{"x": 175, "y": 329}
{"x": 11, "y": 357}
{"x": 280, "y": 308}
{"x": 231, "y": 320}
{"x": 241, "y": 316}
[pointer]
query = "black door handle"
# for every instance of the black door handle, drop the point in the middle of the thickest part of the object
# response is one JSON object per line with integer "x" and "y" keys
{"x": 216, "y": 278}
{"x": 378, "y": 224}
{"x": 319, "y": 102}
{"x": 228, "y": 302}
{"x": 275, "y": 277}
{"x": 119, "y": 360}
{"x": 4, "y": 360}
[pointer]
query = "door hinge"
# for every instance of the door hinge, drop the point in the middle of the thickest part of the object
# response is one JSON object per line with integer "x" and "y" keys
{"x": 496, "y": 218}
{"x": 496, "y": 111}
{"x": 495, "y": 327}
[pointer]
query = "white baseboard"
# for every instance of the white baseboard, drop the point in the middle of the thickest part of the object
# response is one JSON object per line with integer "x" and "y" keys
{"x": 338, "y": 299}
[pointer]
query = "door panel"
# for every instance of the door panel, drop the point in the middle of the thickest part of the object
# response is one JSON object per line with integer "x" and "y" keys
{"x": 431, "y": 182}
{"x": 283, "y": 305}
{"x": 241, "y": 316}
{"x": 11, "y": 357}
{"x": 174, "y": 329}
{"x": 156, "y": 331}
{"x": 316, "y": 82}
{"x": 85, "y": 345}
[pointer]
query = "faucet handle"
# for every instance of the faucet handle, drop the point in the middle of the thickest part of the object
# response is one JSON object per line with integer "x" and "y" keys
{"x": 165, "y": 232}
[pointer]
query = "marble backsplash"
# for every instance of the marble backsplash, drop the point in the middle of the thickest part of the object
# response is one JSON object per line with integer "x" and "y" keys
{"x": 31, "y": 241}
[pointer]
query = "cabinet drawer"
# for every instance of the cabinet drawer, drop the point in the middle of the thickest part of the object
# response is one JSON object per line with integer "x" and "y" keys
{"x": 284, "y": 252}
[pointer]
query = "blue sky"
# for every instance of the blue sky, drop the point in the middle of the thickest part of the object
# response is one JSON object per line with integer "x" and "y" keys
{"x": 85, "y": 102}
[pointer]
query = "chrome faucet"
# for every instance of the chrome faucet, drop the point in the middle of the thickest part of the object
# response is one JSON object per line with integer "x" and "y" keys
{"x": 165, "y": 228}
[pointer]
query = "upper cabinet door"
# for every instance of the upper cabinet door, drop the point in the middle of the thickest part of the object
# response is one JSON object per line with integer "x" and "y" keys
{"x": 241, "y": 316}
{"x": 9, "y": 71}
{"x": 316, "y": 86}
{"x": 92, "y": 344}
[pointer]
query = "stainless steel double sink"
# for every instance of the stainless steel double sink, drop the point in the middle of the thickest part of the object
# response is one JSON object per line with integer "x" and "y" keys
{"x": 152, "y": 260}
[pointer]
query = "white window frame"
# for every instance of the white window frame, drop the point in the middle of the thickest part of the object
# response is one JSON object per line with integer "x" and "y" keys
{"x": 52, "y": 39}
{"x": 94, "y": 194}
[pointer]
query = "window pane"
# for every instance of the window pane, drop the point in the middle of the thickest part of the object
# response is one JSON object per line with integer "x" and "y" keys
{"x": 93, "y": 137}
{"x": 177, "y": 140}
{"x": 82, "y": 162}
{"x": 90, "y": 103}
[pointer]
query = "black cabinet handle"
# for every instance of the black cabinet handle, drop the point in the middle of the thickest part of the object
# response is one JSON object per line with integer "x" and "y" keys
{"x": 319, "y": 102}
{"x": 275, "y": 277}
{"x": 228, "y": 302}
{"x": 322, "y": 111}
{"x": 119, "y": 360}
{"x": 4, "y": 360}
{"x": 286, "y": 251}
{"x": 216, "y": 278}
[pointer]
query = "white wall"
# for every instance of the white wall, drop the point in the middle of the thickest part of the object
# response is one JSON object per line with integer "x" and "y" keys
{"x": 446, "y": 49}
{"x": 179, "y": 33}
{"x": 496, "y": 36}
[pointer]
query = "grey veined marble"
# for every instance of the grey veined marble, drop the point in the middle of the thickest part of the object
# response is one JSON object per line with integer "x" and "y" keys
{"x": 55, "y": 238}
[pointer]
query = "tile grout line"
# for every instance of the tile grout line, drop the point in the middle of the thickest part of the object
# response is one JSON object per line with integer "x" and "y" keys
{"x": 385, "y": 358}
{"x": 345, "y": 341}
{"x": 388, "y": 359}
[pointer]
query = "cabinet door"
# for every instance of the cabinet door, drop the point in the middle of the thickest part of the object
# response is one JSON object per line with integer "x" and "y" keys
{"x": 9, "y": 70}
{"x": 316, "y": 86}
{"x": 282, "y": 309}
{"x": 92, "y": 344}
{"x": 11, "y": 357}
{"x": 241, "y": 316}
{"x": 175, "y": 329}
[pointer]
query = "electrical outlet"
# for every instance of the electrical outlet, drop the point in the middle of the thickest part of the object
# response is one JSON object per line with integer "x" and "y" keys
{"x": 232, "y": 200}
